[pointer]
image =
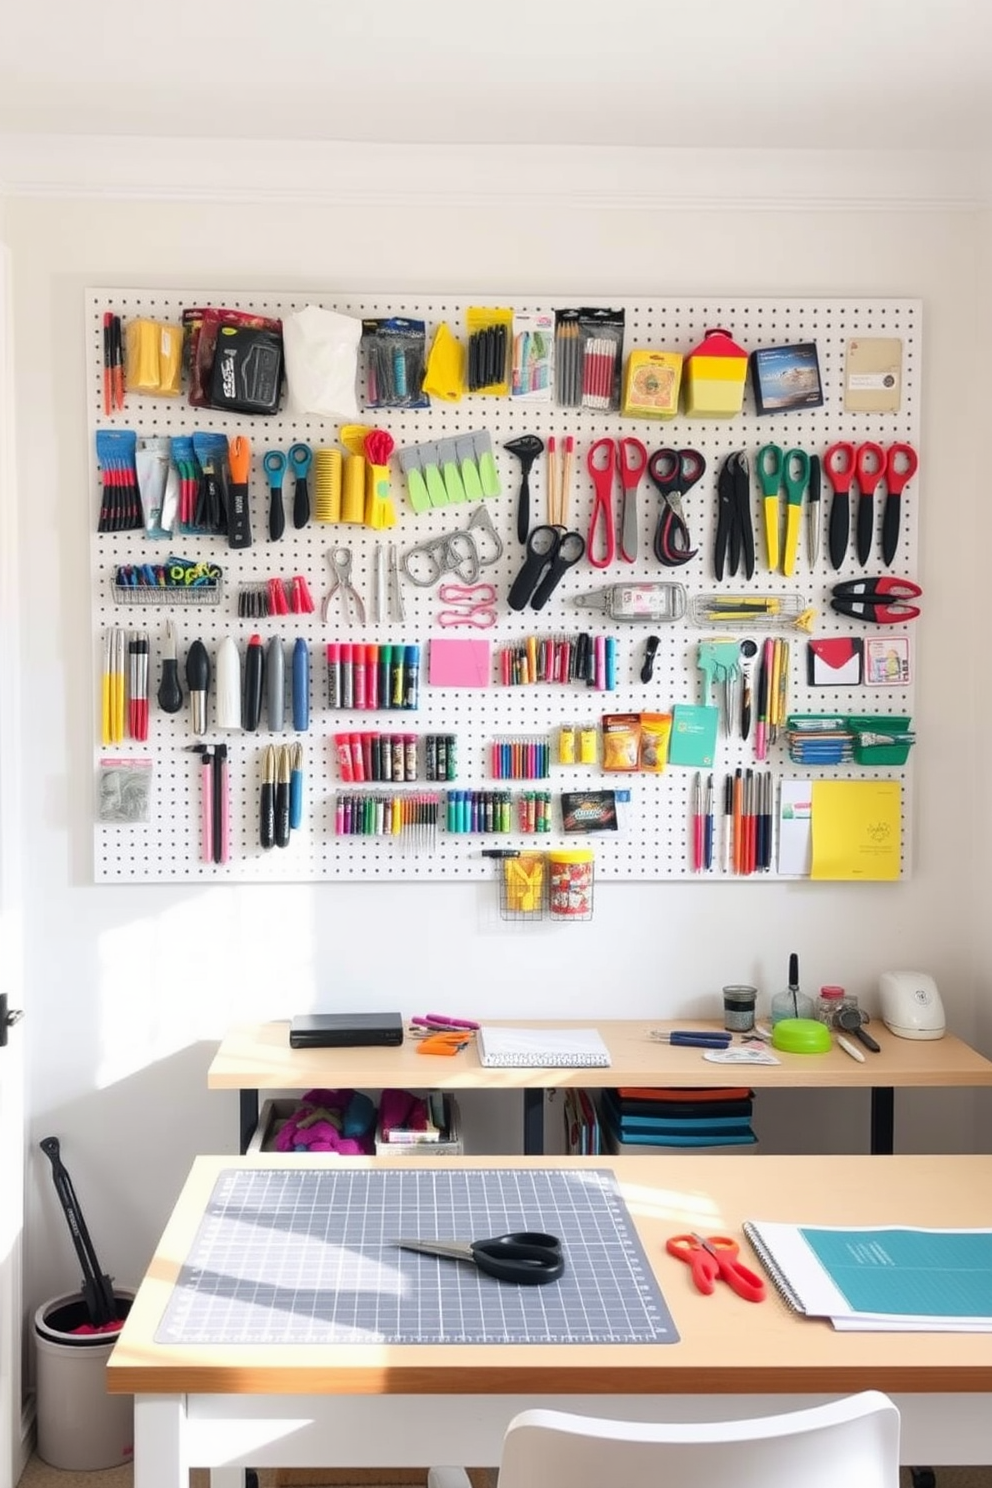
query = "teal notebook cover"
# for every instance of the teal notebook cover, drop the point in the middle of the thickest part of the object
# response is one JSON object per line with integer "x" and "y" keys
{"x": 693, "y": 737}
{"x": 944, "y": 1273}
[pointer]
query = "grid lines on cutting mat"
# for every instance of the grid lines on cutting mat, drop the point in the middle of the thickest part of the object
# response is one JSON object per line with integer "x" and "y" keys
{"x": 303, "y": 1256}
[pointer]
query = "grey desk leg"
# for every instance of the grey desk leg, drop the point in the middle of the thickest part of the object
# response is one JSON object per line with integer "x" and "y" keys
{"x": 882, "y": 1118}
{"x": 534, "y": 1122}
{"x": 248, "y": 1116}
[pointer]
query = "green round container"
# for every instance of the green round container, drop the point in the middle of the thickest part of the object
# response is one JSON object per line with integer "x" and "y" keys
{"x": 801, "y": 1036}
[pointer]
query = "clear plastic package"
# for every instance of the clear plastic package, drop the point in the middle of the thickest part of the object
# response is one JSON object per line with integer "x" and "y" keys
{"x": 653, "y": 600}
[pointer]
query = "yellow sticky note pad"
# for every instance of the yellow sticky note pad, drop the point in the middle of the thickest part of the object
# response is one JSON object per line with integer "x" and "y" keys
{"x": 857, "y": 829}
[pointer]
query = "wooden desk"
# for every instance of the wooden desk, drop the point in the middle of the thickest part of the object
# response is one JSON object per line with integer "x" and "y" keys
{"x": 385, "y": 1405}
{"x": 258, "y": 1057}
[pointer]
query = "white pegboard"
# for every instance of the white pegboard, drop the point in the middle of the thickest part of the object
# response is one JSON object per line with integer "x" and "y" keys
{"x": 654, "y": 841}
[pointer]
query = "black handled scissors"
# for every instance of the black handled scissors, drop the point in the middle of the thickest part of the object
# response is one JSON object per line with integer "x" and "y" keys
{"x": 884, "y": 601}
{"x": 526, "y": 1257}
{"x": 551, "y": 551}
{"x": 673, "y": 473}
{"x": 734, "y": 532}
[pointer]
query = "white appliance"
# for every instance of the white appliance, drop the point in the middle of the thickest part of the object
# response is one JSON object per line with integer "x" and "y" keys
{"x": 911, "y": 1005}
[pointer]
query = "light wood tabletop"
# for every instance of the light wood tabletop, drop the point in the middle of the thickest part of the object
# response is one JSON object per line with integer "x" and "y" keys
{"x": 257, "y": 1056}
{"x": 727, "y": 1345}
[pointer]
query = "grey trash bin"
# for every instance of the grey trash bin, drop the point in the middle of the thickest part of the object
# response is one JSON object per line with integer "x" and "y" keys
{"x": 80, "y": 1427}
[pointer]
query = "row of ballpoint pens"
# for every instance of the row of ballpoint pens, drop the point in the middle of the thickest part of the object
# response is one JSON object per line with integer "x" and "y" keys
{"x": 748, "y": 823}
{"x": 124, "y": 686}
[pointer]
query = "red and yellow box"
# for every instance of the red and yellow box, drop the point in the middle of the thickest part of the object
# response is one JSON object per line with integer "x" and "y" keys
{"x": 715, "y": 373}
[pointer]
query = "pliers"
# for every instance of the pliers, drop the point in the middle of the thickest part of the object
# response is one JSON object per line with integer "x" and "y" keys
{"x": 883, "y": 601}
{"x": 734, "y": 532}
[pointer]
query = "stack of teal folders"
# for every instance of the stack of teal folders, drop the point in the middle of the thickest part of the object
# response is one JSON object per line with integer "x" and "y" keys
{"x": 657, "y": 1120}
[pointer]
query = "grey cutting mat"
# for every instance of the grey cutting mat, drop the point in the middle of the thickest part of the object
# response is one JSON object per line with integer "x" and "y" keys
{"x": 307, "y": 1256}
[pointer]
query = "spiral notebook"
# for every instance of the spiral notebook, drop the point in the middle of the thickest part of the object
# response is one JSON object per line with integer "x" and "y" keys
{"x": 542, "y": 1048}
{"x": 881, "y": 1279}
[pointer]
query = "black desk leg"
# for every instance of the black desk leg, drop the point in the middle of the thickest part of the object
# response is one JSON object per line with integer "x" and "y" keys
{"x": 249, "y": 1117}
{"x": 534, "y": 1122}
{"x": 882, "y": 1119}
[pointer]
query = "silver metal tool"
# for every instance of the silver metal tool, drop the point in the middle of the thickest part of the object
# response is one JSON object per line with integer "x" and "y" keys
{"x": 351, "y": 600}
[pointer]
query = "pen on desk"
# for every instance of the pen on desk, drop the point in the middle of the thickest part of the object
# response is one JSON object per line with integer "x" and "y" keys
{"x": 708, "y": 825}
{"x": 689, "y": 1038}
{"x": 849, "y": 1048}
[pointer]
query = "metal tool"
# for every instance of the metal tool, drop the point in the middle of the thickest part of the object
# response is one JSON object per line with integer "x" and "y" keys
{"x": 882, "y": 601}
{"x": 97, "y": 1286}
{"x": 340, "y": 561}
{"x": 813, "y": 512}
{"x": 853, "y": 1020}
{"x": 395, "y": 607}
{"x": 869, "y": 468}
{"x": 692, "y": 1039}
{"x": 470, "y": 604}
{"x": 525, "y": 1256}
{"x": 838, "y": 467}
{"x": 901, "y": 464}
{"x": 170, "y": 694}
{"x": 274, "y": 465}
{"x": 674, "y": 473}
{"x": 712, "y": 1258}
{"x": 300, "y": 460}
{"x": 550, "y": 553}
{"x": 633, "y": 463}
{"x": 734, "y": 531}
{"x": 601, "y": 462}
{"x": 454, "y": 552}
{"x": 526, "y": 447}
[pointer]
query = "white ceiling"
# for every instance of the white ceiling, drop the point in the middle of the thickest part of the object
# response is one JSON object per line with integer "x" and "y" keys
{"x": 765, "y": 74}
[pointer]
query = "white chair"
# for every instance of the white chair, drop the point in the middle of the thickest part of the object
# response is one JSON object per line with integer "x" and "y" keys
{"x": 850, "y": 1443}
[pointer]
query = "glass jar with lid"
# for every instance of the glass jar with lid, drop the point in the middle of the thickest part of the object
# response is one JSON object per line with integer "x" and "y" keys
{"x": 830, "y": 1001}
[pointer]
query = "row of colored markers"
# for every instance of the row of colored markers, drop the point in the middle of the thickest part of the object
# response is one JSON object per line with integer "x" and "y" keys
{"x": 748, "y": 823}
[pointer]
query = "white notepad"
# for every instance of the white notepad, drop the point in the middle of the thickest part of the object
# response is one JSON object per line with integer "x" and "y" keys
{"x": 542, "y": 1048}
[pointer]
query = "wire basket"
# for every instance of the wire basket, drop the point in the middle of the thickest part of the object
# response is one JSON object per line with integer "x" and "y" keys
{"x": 207, "y": 593}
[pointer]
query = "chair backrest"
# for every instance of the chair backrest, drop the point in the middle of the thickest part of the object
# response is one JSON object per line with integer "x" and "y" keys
{"x": 850, "y": 1443}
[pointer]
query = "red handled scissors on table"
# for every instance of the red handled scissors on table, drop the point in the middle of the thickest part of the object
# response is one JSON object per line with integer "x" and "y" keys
{"x": 714, "y": 1258}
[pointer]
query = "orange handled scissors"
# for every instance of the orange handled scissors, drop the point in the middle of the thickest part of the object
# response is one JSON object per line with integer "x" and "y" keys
{"x": 715, "y": 1257}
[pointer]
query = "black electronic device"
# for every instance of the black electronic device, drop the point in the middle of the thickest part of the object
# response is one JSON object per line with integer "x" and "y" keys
{"x": 345, "y": 1030}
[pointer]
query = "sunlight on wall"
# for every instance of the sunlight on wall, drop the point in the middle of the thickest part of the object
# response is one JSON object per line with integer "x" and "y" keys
{"x": 252, "y": 943}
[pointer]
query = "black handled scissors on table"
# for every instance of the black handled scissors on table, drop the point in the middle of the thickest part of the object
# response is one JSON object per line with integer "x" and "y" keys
{"x": 673, "y": 473}
{"x": 551, "y": 551}
{"x": 526, "y": 1257}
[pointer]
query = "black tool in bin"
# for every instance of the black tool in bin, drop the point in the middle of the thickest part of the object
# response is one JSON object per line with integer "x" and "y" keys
{"x": 97, "y": 1287}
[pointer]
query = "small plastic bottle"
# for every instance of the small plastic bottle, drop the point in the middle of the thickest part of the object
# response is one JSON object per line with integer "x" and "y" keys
{"x": 792, "y": 1003}
{"x": 830, "y": 1001}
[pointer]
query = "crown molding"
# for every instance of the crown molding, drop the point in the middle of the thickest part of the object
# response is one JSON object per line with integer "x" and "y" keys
{"x": 334, "y": 173}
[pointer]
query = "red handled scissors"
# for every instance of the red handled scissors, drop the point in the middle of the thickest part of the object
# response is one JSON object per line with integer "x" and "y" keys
{"x": 673, "y": 473}
{"x": 712, "y": 1258}
{"x": 633, "y": 463}
{"x": 601, "y": 462}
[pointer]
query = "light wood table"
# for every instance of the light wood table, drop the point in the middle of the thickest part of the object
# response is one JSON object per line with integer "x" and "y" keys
{"x": 349, "y": 1405}
{"x": 257, "y": 1057}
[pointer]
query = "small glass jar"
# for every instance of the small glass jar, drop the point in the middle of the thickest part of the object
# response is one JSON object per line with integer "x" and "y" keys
{"x": 791, "y": 1004}
{"x": 739, "y": 1001}
{"x": 830, "y": 1001}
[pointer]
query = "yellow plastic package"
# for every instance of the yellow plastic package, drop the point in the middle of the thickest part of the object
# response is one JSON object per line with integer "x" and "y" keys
{"x": 153, "y": 352}
{"x": 656, "y": 730}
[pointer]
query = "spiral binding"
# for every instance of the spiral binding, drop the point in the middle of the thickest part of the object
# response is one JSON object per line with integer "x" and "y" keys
{"x": 778, "y": 1278}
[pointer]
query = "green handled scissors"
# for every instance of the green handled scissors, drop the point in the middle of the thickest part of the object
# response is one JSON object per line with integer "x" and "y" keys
{"x": 778, "y": 468}
{"x": 795, "y": 478}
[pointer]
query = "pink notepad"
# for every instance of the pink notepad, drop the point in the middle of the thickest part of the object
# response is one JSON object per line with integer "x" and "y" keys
{"x": 459, "y": 664}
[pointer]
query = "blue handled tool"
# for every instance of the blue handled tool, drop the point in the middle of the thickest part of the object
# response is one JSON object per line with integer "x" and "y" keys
{"x": 702, "y": 1040}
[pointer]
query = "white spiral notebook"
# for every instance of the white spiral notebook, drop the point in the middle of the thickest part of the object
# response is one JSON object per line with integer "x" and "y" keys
{"x": 542, "y": 1048}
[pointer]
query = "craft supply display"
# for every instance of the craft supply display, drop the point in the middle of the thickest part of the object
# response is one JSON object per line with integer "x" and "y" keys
{"x": 658, "y": 555}
{"x": 311, "y": 1256}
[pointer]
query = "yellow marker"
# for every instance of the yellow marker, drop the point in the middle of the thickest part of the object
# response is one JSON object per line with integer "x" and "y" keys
{"x": 783, "y": 684}
{"x": 773, "y": 687}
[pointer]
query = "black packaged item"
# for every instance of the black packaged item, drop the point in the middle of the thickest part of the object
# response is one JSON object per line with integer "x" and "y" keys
{"x": 247, "y": 370}
{"x": 345, "y": 1030}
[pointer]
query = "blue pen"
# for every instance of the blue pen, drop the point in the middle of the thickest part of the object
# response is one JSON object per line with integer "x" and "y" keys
{"x": 611, "y": 664}
{"x": 301, "y": 686}
{"x": 296, "y": 787}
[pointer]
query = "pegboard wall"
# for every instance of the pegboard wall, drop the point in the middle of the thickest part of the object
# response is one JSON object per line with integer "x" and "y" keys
{"x": 654, "y": 839}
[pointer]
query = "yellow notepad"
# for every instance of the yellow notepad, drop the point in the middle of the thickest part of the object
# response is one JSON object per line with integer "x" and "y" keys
{"x": 857, "y": 829}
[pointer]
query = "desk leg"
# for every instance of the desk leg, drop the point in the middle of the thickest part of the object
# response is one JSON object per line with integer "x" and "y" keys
{"x": 882, "y": 1118}
{"x": 534, "y": 1123}
{"x": 161, "y": 1458}
{"x": 249, "y": 1117}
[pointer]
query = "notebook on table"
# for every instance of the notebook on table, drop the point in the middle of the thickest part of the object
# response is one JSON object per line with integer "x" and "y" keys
{"x": 542, "y": 1048}
{"x": 881, "y": 1279}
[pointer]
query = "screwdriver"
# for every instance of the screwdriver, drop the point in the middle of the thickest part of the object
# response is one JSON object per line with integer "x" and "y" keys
{"x": 170, "y": 694}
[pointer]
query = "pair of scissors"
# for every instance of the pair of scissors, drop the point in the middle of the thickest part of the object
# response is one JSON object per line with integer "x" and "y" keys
{"x": 274, "y": 465}
{"x": 525, "y": 1256}
{"x": 734, "y": 532}
{"x": 673, "y": 473}
{"x": 551, "y": 551}
{"x": 471, "y": 604}
{"x": 601, "y": 462}
{"x": 778, "y": 468}
{"x": 340, "y": 561}
{"x": 868, "y": 464}
{"x": 712, "y": 1258}
{"x": 633, "y": 460}
{"x": 883, "y": 601}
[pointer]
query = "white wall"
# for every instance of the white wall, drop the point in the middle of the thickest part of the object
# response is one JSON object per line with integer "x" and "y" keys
{"x": 129, "y": 989}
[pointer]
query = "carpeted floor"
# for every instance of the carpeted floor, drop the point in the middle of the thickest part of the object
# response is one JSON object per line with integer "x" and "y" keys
{"x": 39, "y": 1475}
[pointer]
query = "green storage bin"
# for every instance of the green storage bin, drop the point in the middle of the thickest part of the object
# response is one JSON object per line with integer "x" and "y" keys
{"x": 894, "y": 740}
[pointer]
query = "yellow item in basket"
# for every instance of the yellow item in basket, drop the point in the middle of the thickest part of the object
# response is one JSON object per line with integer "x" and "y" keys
{"x": 524, "y": 883}
{"x": 651, "y": 384}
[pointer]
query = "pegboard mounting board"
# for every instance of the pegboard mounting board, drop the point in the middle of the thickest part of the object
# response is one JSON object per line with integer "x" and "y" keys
{"x": 309, "y": 1256}
{"x": 654, "y": 839}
